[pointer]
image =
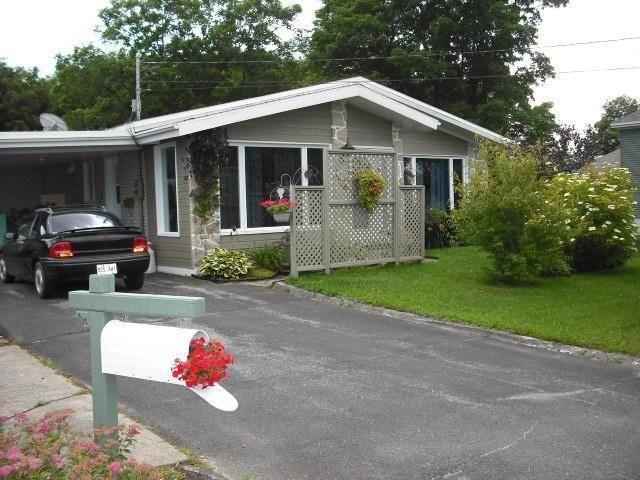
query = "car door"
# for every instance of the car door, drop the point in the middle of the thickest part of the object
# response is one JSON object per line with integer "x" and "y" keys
{"x": 25, "y": 230}
{"x": 32, "y": 246}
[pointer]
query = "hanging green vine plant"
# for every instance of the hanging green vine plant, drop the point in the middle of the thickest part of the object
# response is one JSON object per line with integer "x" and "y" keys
{"x": 207, "y": 153}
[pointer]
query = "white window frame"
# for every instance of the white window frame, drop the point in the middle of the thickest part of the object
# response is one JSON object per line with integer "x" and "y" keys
{"x": 450, "y": 159}
{"x": 159, "y": 188}
{"x": 242, "y": 181}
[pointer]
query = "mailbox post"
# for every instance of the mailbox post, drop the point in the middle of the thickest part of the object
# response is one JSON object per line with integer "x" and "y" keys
{"x": 98, "y": 306}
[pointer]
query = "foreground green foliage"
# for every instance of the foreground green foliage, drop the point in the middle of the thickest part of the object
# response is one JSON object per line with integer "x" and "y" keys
{"x": 504, "y": 211}
{"x": 594, "y": 310}
{"x": 222, "y": 262}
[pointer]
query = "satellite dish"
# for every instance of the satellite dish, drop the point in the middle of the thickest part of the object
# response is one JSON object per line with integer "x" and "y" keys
{"x": 52, "y": 123}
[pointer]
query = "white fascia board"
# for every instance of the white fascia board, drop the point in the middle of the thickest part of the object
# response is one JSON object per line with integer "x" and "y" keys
{"x": 263, "y": 109}
{"x": 436, "y": 112}
{"x": 625, "y": 124}
{"x": 21, "y": 140}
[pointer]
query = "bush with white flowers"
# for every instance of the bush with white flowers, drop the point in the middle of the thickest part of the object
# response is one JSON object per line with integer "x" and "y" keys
{"x": 599, "y": 216}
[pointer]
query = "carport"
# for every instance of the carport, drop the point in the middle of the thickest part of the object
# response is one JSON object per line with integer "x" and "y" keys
{"x": 64, "y": 168}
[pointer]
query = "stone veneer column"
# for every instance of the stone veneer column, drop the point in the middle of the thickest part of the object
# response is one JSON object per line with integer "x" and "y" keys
{"x": 204, "y": 236}
{"x": 339, "y": 131}
{"x": 398, "y": 148}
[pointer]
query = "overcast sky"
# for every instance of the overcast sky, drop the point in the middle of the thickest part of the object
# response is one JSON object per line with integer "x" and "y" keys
{"x": 32, "y": 32}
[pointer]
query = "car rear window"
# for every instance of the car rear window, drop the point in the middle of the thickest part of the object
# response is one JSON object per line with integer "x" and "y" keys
{"x": 74, "y": 221}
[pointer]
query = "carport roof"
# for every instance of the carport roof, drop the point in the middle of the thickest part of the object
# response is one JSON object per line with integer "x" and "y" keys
{"x": 365, "y": 93}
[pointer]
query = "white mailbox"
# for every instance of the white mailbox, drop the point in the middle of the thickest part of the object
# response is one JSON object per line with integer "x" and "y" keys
{"x": 149, "y": 352}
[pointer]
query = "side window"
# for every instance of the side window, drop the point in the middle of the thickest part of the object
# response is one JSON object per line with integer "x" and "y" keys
{"x": 36, "y": 225}
{"x": 25, "y": 225}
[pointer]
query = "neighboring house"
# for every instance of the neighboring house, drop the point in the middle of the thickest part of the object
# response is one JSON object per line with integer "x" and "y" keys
{"x": 138, "y": 170}
{"x": 611, "y": 159}
{"x": 629, "y": 128}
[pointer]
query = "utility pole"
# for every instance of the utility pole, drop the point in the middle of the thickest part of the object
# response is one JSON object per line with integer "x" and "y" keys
{"x": 138, "y": 102}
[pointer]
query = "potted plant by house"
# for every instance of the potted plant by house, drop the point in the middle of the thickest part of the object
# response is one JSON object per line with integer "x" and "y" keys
{"x": 280, "y": 209}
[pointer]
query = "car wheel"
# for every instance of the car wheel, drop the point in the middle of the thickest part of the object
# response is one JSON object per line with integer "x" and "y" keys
{"x": 44, "y": 288}
{"x": 134, "y": 281}
{"x": 4, "y": 275}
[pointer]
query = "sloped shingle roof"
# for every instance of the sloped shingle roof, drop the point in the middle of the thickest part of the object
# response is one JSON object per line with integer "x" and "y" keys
{"x": 629, "y": 120}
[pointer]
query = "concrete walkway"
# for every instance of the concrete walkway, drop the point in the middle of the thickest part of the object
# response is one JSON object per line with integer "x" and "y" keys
{"x": 37, "y": 389}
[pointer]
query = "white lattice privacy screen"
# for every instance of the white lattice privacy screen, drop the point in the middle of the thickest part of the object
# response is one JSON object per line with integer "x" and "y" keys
{"x": 330, "y": 229}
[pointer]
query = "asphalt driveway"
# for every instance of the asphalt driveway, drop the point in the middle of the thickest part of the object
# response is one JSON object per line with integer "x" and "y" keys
{"x": 329, "y": 392}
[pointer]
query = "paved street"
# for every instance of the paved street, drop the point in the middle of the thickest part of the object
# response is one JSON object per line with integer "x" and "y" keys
{"x": 329, "y": 392}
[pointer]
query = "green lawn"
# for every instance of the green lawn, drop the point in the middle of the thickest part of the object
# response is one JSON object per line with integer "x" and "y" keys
{"x": 599, "y": 310}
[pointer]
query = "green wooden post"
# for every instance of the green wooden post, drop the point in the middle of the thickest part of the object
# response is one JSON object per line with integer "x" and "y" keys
{"x": 104, "y": 386}
{"x": 97, "y": 307}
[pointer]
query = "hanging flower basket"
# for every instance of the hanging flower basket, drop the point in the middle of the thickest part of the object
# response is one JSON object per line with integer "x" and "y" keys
{"x": 280, "y": 209}
{"x": 370, "y": 187}
{"x": 281, "y": 217}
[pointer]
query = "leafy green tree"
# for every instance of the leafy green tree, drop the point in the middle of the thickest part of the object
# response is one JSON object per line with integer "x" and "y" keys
{"x": 486, "y": 49}
{"x": 23, "y": 97}
{"x": 604, "y": 137}
{"x": 93, "y": 89}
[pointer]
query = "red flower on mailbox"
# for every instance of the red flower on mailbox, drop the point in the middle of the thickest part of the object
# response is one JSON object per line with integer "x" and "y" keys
{"x": 206, "y": 364}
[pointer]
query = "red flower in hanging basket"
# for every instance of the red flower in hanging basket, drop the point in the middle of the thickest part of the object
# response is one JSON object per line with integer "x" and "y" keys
{"x": 206, "y": 364}
{"x": 281, "y": 205}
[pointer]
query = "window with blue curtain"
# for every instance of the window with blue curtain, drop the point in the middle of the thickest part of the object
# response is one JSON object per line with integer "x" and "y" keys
{"x": 433, "y": 173}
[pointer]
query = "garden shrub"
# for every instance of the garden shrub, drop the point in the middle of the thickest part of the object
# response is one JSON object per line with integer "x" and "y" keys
{"x": 222, "y": 262}
{"x": 271, "y": 257}
{"x": 599, "y": 216}
{"x": 439, "y": 229}
{"x": 504, "y": 211}
{"x": 47, "y": 448}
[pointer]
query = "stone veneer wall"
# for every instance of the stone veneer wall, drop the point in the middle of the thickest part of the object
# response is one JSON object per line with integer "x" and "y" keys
{"x": 205, "y": 236}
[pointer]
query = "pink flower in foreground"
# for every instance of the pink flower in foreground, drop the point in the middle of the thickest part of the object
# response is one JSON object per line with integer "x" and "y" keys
{"x": 22, "y": 416}
{"x": 133, "y": 430}
{"x": 58, "y": 461}
{"x": 38, "y": 436}
{"x": 34, "y": 463}
{"x": 5, "y": 471}
{"x": 114, "y": 467}
{"x": 3, "y": 418}
{"x": 14, "y": 454}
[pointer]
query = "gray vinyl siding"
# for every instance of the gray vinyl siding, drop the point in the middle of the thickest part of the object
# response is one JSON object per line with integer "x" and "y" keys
{"x": 432, "y": 143}
{"x": 365, "y": 129}
{"x": 170, "y": 251}
{"x": 304, "y": 125}
{"x": 247, "y": 242}
{"x": 630, "y": 156}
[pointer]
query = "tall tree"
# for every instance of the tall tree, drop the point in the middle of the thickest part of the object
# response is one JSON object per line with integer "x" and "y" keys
{"x": 23, "y": 96}
{"x": 483, "y": 51}
{"x": 604, "y": 137}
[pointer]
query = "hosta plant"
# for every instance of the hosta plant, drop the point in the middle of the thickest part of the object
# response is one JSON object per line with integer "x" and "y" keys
{"x": 222, "y": 262}
{"x": 206, "y": 364}
{"x": 599, "y": 217}
{"x": 370, "y": 187}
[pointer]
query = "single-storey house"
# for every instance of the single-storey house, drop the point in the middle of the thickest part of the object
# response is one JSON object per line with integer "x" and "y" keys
{"x": 629, "y": 128}
{"x": 138, "y": 170}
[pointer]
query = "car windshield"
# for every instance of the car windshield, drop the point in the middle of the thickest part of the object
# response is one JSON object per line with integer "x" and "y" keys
{"x": 75, "y": 221}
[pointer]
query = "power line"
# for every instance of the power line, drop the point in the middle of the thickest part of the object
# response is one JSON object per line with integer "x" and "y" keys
{"x": 185, "y": 84}
{"x": 420, "y": 55}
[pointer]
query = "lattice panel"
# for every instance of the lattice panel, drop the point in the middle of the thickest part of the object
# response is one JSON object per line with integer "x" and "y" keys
{"x": 357, "y": 235}
{"x": 343, "y": 167}
{"x": 411, "y": 222}
{"x": 307, "y": 233}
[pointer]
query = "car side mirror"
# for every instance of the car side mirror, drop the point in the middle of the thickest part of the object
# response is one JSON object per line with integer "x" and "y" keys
{"x": 9, "y": 235}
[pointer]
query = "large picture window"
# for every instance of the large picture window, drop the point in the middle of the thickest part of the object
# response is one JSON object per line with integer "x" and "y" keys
{"x": 253, "y": 174}
{"x": 166, "y": 186}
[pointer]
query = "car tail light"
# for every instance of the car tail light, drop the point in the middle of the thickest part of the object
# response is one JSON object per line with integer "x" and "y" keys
{"x": 61, "y": 250}
{"x": 140, "y": 245}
